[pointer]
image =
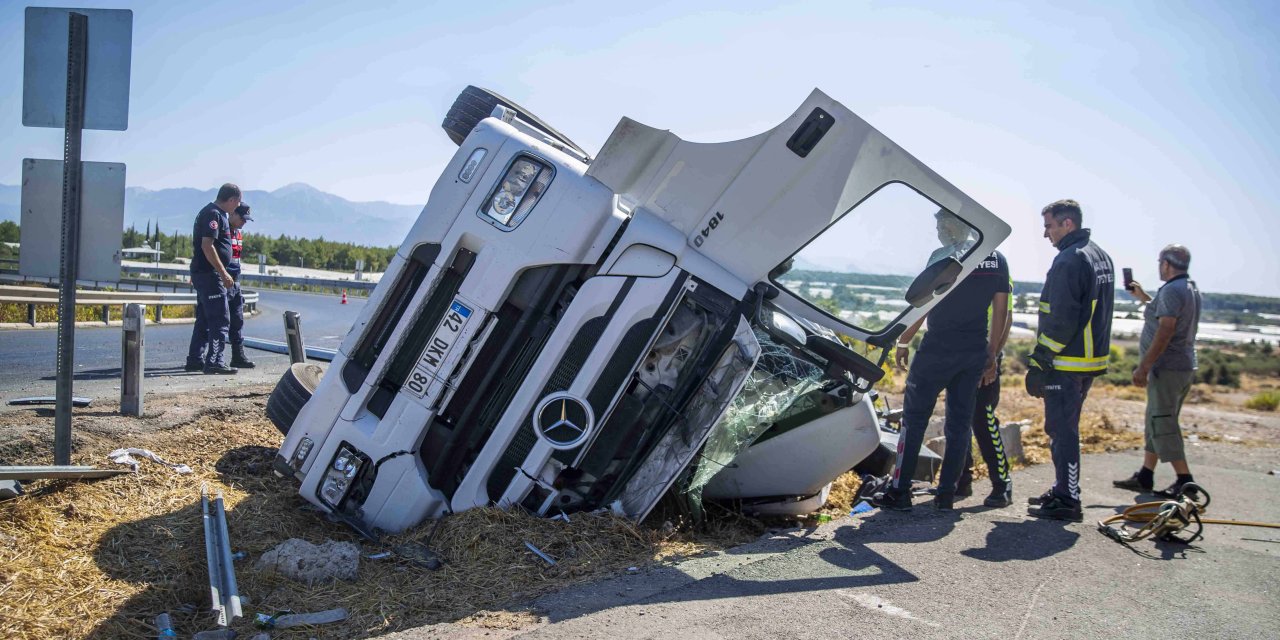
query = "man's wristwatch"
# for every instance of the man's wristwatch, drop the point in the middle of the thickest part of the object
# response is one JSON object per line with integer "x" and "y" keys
{"x": 904, "y": 345}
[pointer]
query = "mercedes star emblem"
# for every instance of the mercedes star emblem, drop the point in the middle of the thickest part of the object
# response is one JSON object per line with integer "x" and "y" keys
{"x": 563, "y": 421}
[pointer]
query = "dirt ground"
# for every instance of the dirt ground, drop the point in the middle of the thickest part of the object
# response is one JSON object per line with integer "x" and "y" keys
{"x": 102, "y": 558}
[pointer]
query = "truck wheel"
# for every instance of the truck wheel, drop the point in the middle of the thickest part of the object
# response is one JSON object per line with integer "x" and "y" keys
{"x": 296, "y": 386}
{"x": 475, "y": 104}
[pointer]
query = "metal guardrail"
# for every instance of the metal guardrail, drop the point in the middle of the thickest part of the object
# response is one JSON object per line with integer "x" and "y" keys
{"x": 246, "y": 276}
{"x": 33, "y": 296}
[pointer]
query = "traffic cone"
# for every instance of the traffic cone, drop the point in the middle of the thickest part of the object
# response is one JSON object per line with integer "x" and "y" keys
{"x": 344, "y": 296}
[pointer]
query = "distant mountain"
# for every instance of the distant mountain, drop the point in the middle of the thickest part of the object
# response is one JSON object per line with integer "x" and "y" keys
{"x": 297, "y": 209}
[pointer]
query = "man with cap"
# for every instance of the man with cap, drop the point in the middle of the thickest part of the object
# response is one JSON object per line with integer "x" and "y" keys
{"x": 212, "y": 281}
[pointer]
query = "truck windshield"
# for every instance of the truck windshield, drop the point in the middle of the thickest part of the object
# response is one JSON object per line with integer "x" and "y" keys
{"x": 859, "y": 268}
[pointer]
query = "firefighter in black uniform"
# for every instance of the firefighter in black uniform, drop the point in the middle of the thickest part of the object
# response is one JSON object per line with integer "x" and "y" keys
{"x": 235, "y": 301}
{"x": 211, "y": 242}
{"x": 1073, "y": 345}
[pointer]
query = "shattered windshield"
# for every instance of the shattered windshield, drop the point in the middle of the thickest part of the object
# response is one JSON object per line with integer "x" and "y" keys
{"x": 860, "y": 267}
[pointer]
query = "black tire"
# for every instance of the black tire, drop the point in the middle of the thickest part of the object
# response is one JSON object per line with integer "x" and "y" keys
{"x": 475, "y": 104}
{"x": 296, "y": 386}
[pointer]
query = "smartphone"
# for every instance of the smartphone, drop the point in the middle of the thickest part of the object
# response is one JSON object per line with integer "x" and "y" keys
{"x": 1128, "y": 277}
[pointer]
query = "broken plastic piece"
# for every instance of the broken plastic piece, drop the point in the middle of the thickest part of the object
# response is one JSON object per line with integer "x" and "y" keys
{"x": 76, "y": 401}
{"x": 861, "y": 507}
{"x": 284, "y": 621}
{"x": 125, "y": 456}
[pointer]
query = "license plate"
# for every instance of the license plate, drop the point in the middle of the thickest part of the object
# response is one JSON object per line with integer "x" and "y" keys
{"x": 438, "y": 347}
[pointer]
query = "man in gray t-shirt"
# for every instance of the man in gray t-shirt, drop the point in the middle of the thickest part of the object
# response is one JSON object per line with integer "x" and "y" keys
{"x": 1167, "y": 366}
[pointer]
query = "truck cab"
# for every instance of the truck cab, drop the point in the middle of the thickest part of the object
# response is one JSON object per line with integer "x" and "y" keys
{"x": 563, "y": 332}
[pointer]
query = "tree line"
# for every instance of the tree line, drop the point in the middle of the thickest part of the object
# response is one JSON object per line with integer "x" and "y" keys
{"x": 314, "y": 253}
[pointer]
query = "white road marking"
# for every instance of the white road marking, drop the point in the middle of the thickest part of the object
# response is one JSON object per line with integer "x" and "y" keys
{"x": 876, "y": 603}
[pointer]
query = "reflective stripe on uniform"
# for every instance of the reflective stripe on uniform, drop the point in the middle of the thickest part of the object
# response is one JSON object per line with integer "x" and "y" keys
{"x": 1044, "y": 306}
{"x": 1052, "y": 344}
{"x": 1069, "y": 363}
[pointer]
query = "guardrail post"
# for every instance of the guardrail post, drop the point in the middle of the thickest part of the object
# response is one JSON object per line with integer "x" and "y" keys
{"x": 31, "y": 314}
{"x": 293, "y": 337}
{"x": 159, "y": 313}
{"x": 106, "y": 314}
{"x": 131, "y": 344}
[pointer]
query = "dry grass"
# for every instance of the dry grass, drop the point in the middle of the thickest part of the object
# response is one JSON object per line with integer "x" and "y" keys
{"x": 101, "y": 559}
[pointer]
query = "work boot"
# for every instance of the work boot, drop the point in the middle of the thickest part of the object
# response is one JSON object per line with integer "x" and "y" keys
{"x": 892, "y": 500}
{"x": 1000, "y": 497}
{"x": 1040, "y": 499}
{"x": 1056, "y": 508}
{"x": 962, "y": 490}
{"x": 217, "y": 369}
{"x": 194, "y": 365}
{"x": 944, "y": 501}
{"x": 238, "y": 359}
{"x": 1134, "y": 483}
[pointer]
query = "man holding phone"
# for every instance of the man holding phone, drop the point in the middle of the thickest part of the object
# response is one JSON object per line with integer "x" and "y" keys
{"x": 1167, "y": 367}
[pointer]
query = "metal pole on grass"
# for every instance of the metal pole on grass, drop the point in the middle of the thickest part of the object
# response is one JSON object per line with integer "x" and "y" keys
{"x": 77, "y": 41}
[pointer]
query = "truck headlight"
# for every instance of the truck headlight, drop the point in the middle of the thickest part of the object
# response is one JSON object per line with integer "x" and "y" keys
{"x": 518, "y": 191}
{"x": 338, "y": 477}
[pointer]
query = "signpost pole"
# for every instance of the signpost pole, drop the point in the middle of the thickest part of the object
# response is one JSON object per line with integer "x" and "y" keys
{"x": 77, "y": 41}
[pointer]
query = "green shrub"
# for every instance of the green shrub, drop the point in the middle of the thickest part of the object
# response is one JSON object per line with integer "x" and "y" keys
{"x": 1265, "y": 401}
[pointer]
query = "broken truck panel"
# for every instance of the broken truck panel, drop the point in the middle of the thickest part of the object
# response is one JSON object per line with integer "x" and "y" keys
{"x": 564, "y": 337}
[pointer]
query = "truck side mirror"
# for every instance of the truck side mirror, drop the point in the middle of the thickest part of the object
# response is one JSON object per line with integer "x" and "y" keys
{"x": 935, "y": 280}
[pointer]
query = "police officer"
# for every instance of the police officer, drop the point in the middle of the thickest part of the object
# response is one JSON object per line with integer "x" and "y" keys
{"x": 1072, "y": 348}
{"x": 235, "y": 300}
{"x": 955, "y": 355}
{"x": 211, "y": 243}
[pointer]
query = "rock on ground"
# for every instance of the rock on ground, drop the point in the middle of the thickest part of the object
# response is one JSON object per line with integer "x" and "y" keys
{"x": 305, "y": 562}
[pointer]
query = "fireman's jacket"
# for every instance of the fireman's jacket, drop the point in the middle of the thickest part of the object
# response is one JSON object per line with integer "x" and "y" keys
{"x": 1074, "y": 334}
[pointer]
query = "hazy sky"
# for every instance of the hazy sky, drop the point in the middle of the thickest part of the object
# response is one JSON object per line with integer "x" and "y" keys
{"x": 1156, "y": 116}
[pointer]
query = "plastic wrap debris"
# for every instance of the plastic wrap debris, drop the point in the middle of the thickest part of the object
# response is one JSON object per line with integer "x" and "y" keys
{"x": 286, "y": 620}
{"x": 126, "y": 456}
{"x": 538, "y": 552}
{"x": 779, "y": 378}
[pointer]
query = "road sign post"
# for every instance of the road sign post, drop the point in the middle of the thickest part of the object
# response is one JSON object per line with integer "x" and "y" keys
{"x": 77, "y": 47}
{"x": 133, "y": 353}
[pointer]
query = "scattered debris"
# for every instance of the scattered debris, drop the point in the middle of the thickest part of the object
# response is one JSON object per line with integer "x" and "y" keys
{"x": 36, "y": 401}
{"x": 286, "y": 620}
{"x": 217, "y": 549}
{"x": 125, "y": 456}
{"x": 10, "y": 489}
{"x": 225, "y": 633}
{"x": 1274, "y": 472}
{"x": 563, "y": 516}
{"x": 862, "y": 507}
{"x": 165, "y": 626}
{"x": 632, "y": 569}
{"x": 42, "y": 472}
{"x": 379, "y": 556}
{"x": 309, "y": 563}
{"x": 239, "y": 555}
{"x": 538, "y": 552}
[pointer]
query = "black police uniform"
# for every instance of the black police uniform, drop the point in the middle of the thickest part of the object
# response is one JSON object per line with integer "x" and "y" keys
{"x": 1073, "y": 346}
{"x": 213, "y": 315}
{"x": 952, "y": 356}
{"x": 986, "y": 426}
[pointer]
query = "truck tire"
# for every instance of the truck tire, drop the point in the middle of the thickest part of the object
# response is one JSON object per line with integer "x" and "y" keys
{"x": 296, "y": 386}
{"x": 475, "y": 104}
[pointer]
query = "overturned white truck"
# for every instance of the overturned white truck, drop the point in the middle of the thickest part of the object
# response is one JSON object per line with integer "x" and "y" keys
{"x": 568, "y": 333}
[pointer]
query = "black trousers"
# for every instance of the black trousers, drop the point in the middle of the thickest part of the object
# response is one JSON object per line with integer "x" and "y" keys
{"x": 986, "y": 430}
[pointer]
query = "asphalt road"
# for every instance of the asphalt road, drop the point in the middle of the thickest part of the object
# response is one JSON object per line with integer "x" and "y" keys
{"x": 28, "y": 356}
{"x": 974, "y": 573}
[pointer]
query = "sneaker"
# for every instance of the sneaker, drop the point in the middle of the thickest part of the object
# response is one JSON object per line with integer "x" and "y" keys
{"x": 999, "y": 498}
{"x": 892, "y": 500}
{"x": 944, "y": 502}
{"x": 1174, "y": 491}
{"x": 193, "y": 365}
{"x": 217, "y": 369}
{"x": 1132, "y": 483}
{"x": 1056, "y": 508}
{"x": 1040, "y": 499}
